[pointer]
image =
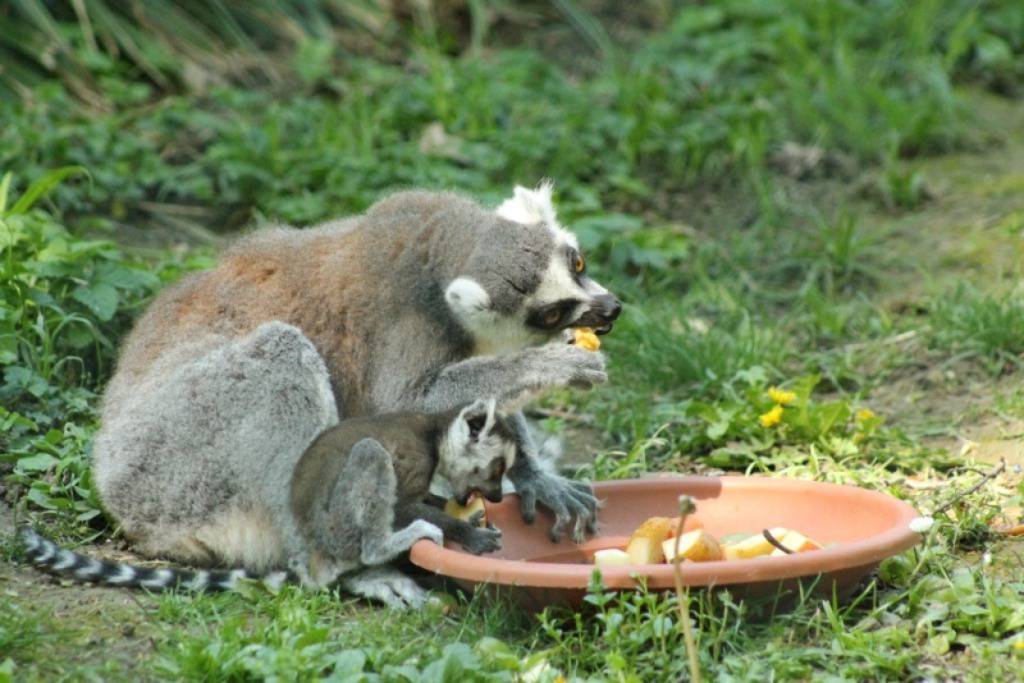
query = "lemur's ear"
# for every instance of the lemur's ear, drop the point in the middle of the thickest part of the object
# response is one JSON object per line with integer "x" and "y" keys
{"x": 466, "y": 297}
{"x": 479, "y": 416}
{"x": 529, "y": 206}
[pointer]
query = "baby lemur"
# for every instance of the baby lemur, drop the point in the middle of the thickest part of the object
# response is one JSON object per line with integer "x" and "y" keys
{"x": 346, "y": 493}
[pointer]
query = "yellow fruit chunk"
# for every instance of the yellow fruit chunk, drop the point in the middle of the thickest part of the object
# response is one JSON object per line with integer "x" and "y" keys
{"x": 696, "y": 546}
{"x": 753, "y": 546}
{"x": 797, "y": 542}
{"x": 611, "y": 557}
{"x": 690, "y": 524}
{"x": 645, "y": 543}
{"x": 586, "y": 339}
{"x": 465, "y": 512}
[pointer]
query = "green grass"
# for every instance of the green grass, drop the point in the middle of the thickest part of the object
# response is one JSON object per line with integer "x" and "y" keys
{"x": 737, "y": 278}
{"x": 985, "y": 326}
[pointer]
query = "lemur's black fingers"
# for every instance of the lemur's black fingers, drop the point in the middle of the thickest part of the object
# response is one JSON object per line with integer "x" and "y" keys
{"x": 528, "y": 504}
{"x": 582, "y": 528}
{"x": 584, "y": 493}
{"x": 578, "y": 510}
{"x": 585, "y": 510}
{"x": 483, "y": 541}
{"x": 582, "y": 496}
{"x": 581, "y": 486}
{"x": 588, "y": 379}
{"x": 559, "y": 506}
{"x": 475, "y": 519}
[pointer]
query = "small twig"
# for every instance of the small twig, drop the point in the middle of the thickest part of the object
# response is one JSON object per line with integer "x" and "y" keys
{"x": 775, "y": 542}
{"x": 895, "y": 339}
{"x": 686, "y": 507}
{"x": 960, "y": 496}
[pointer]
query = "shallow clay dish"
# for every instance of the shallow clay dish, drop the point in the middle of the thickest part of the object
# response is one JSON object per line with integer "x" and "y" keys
{"x": 864, "y": 526}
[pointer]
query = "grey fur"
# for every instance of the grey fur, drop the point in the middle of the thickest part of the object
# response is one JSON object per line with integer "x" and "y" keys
{"x": 421, "y": 304}
{"x": 342, "y": 498}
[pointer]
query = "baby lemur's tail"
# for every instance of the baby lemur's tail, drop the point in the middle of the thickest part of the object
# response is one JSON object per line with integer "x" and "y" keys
{"x": 52, "y": 558}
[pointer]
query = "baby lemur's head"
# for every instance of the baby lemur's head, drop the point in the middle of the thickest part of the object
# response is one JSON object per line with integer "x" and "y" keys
{"x": 476, "y": 449}
{"x": 526, "y": 280}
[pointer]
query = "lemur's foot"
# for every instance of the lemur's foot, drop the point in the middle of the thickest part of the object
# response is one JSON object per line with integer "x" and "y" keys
{"x": 386, "y": 585}
{"x": 567, "y": 499}
{"x": 479, "y": 540}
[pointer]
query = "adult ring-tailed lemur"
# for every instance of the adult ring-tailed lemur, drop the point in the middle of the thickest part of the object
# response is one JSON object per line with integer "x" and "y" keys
{"x": 426, "y": 302}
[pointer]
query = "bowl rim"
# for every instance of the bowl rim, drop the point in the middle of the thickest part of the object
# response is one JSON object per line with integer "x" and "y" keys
{"x": 869, "y": 551}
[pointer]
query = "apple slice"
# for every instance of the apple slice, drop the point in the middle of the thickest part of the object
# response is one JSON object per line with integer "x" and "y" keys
{"x": 466, "y": 512}
{"x": 697, "y": 546}
{"x": 611, "y": 557}
{"x": 692, "y": 522}
{"x": 645, "y": 543}
{"x": 795, "y": 541}
{"x": 753, "y": 546}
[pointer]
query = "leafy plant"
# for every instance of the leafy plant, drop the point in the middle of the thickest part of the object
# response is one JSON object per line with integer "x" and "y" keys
{"x": 978, "y": 325}
{"x": 63, "y": 300}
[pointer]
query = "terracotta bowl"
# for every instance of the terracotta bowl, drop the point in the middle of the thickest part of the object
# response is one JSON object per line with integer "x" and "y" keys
{"x": 864, "y": 526}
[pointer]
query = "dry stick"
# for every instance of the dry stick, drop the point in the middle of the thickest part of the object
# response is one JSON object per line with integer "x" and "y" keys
{"x": 895, "y": 339}
{"x": 775, "y": 542}
{"x": 981, "y": 482}
{"x": 686, "y": 507}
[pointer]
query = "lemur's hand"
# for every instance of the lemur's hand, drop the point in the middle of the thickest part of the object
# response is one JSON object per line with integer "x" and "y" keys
{"x": 566, "y": 498}
{"x": 568, "y": 365}
{"x": 479, "y": 540}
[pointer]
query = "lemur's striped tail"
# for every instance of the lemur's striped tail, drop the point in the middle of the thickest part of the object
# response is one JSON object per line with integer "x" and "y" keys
{"x": 52, "y": 558}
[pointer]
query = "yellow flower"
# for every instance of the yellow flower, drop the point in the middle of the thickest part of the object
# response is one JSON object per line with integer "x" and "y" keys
{"x": 865, "y": 414}
{"x": 772, "y": 417}
{"x": 781, "y": 396}
{"x": 1018, "y": 645}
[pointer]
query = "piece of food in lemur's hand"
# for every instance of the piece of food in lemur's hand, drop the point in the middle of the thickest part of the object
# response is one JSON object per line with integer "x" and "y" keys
{"x": 697, "y": 546}
{"x": 585, "y": 338}
{"x": 611, "y": 557}
{"x": 466, "y": 512}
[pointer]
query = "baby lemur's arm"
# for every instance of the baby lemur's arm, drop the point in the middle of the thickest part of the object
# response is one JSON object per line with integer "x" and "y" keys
{"x": 510, "y": 378}
{"x": 469, "y": 535}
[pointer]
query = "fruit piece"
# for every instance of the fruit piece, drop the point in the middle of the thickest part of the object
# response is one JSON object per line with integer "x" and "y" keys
{"x": 611, "y": 557}
{"x": 733, "y": 539}
{"x": 697, "y": 546}
{"x": 690, "y": 524}
{"x": 466, "y": 512}
{"x": 795, "y": 541}
{"x": 585, "y": 338}
{"x": 645, "y": 543}
{"x": 753, "y": 546}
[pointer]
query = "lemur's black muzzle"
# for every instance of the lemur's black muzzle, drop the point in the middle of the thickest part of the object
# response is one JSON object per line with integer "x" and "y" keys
{"x": 601, "y": 313}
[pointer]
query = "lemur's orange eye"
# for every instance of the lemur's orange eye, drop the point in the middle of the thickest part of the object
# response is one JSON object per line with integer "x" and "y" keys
{"x": 552, "y": 317}
{"x": 578, "y": 265}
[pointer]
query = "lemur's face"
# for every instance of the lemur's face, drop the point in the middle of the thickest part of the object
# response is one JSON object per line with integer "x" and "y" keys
{"x": 528, "y": 281}
{"x": 475, "y": 452}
